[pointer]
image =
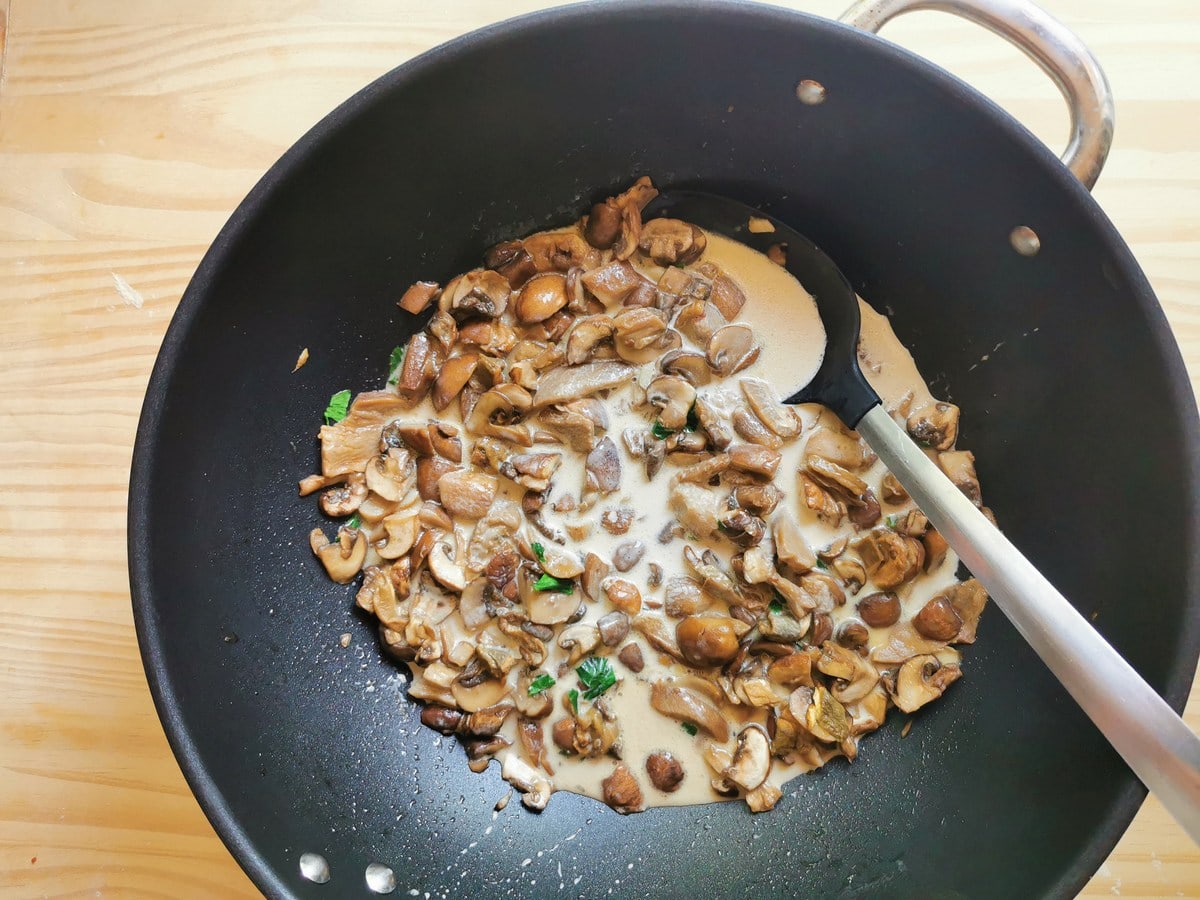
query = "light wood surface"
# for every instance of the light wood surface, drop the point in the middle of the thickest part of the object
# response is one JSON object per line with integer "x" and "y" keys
{"x": 129, "y": 130}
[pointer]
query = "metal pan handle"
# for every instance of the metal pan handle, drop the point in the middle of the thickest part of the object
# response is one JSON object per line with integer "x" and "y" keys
{"x": 1045, "y": 40}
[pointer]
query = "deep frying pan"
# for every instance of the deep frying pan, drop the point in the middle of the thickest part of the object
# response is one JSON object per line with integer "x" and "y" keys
{"x": 1082, "y": 420}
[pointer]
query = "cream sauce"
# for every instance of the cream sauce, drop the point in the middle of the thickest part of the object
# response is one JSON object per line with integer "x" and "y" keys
{"x": 784, "y": 318}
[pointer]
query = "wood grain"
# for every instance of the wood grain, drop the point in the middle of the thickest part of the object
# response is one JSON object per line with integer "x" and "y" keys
{"x": 129, "y": 130}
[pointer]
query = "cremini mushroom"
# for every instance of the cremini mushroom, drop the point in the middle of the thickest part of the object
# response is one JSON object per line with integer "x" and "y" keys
{"x": 343, "y": 558}
{"x": 854, "y": 677}
{"x": 579, "y": 640}
{"x": 685, "y": 704}
{"x": 671, "y": 242}
{"x": 780, "y": 419}
{"x": 563, "y": 384}
{"x": 673, "y": 397}
{"x": 719, "y": 434}
{"x": 880, "y": 610}
{"x": 749, "y": 427}
{"x": 707, "y": 640}
{"x": 838, "y": 447}
{"x": 731, "y": 349}
{"x": 938, "y": 620}
{"x": 603, "y": 467}
{"x": 526, "y": 778}
{"x": 544, "y": 607}
{"x": 751, "y": 758}
{"x": 922, "y": 679}
{"x": 683, "y": 597}
{"x": 727, "y": 297}
{"x": 452, "y": 378}
{"x": 498, "y": 410}
{"x": 586, "y": 335}
{"x": 762, "y": 462}
{"x": 826, "y": 717}
{"x": 467, "y": 493}
{"x": 612, "y": 283}
{"x": 790, "y": 546}
{"x": 613, "y": 628}
{"x": 642, "y": 335}
{"x": 418, "y": 296}
{"x": 665, "y": 771}
{"x": 400, "y": 532}
{"x": 445, "y": 569}
{"x": 541, "y": 297}
{"x": 481, "y": 292}
{"x": 620, "y": 790}
{"x": 689, "y": 365}
{"x": 560, "y": 251}
{"x": 935, "y": 425}
{"x": 891, "y": 559}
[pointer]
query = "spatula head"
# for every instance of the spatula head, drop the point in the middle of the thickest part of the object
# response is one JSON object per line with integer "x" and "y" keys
{"x": 839, "y": 383}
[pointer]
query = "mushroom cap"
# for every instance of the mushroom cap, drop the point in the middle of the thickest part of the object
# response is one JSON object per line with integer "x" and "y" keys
{"x": 751, "y": 758}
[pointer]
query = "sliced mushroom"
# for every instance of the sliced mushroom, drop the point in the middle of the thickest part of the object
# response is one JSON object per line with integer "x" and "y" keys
{"x": 688, "y": 705}
{"x": 893, "y": 491}
{"x": 880, "y": 610}
{"x": 731, "y": 349}
{"x": 511, "y": 260}
{"x": 563, "y": 384}
{"x": 480, "y": 292}
{"x": 689, "y": 365}
{"x": 673, "y": 398}
{"x": 524, "y": 777}
{"x": 891, "y": 559}
{"x": 935, "y": 425}
{"x": 561, "y": 563}
{"x": 603, "y": 467}
{"x": 671, "y": 242}
{"x": 838, "y": 447}
{"x": 959, "y": 466}
{"x": 968, "y": 600}
{"x": 700, "y": 320}
{"x": 620, "y": 791}
{"x": 549, "y": 607}
{"x": 573, "y": 427}
{"x": 935, "y": 548}
{"x": 825, "y": 717}
{"x": 612, "y": 283}
{"x": 444, "y": 568}
{"x": 418, "y": 296}
{"x": 790, "y": 546}
{"x": 497, "y": 411}
{"x": 762, "y": 462}
{"x": 719, "y": 435}
{"x": 541, "y": 297}
{"x": 707, "y": 640}
{"x": 751, "y": 758}
{"x": 713, "y": 579}
{"x": 938, "y": 620}
{"x": 622, "y": 594}
{"x": 726, "y": 296}
{"x": 419, "y": 368}
{"x": 560, "y": 250}
{"x": 467, "y": 493}
{"x": 782, "y": 420}
{"x": 400, "y": 530}
{"x": 642, "y": 335}
{"x": 579, "y": 640}
{"x": 854, "y": 676}
{"x": 344, "y": 499}
{"x": 588, "y": 333}
{"x": 628, "y": 554}
{"x": 595, "y": 570}
{"x": 696, "y": 507}
{"x": 922, "y": 679}
{"x": 453, "y": 377}
{"x": 341, "y": 559}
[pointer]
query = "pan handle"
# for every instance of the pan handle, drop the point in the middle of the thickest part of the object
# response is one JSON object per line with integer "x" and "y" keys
{"x": 1045, "y": 40}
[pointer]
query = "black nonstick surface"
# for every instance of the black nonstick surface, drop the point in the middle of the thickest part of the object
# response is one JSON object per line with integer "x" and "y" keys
{"x": 1080, "y": 415}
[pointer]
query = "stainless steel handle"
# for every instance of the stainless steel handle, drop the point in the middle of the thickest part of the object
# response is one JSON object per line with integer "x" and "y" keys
{"x": 1151, "y": 738}
{"x": 1050, "y": 44}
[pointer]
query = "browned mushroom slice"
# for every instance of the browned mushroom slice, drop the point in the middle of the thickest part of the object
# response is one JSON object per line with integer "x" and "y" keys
{"x": 466, "y": 493}
{"x": 671, "y": 242}
{"x": 833, "y": 477}
{"x": 760, "y": 499}
{"x": 685, "y": 704}
{"x": 838, "y": 447}
{"x": 825, "y": 717}
{"x": 751, "y": 758}
{"x": 922, "y": 679}
{"x": 760, "y": 461}
{"x": 828, "y": 508}
{"x": 531, "y": 470}
{"x": 642, "y": 335}
{"x": 731, "y": 349}
{"x": 511, "y": 260}
{"x": 571, "y": 426}
{"x": 418, "y": 296}
{"x": 560, "y": 250}
{"x": 727, "y": 297}
{"x": 343, "y": 558}
{"x": 689, "y": 365}
{"x": 714, "y": 580}
{"x": 700, "y": 320}
{"x": 959, "y": 466}
{"x": 541, "y": 297}
{"x": 742, "y": 528}
{"x": 935, "y": 425}
{"x": 480, "y": 292}
{"x": 891, "y": 559}
{"x": 967, "y": 600}
{"x": 344, "y": 499}
{"x": 536, "y": 786}
{"x": 893, "y": 491}
{"x": 603, "y": 224}
{"x": 620, "y": 791}
{"x": 695, "y": 507}
{"x": 548, "y": 607}
{"x": 748, "y": 426}
{"x": 612, "y": 283}
{"x": 603, "y": 467}
{"x": 781, "y": 419}
{"x": 588, "y": 333}
{"x": 672, "y": 397}
{"x": 903, "y": 642}
{"x": 563, "y": 384}
{"x": 935, "y": 548}
{"x": 854, "y": 677}
{"x": 498, "y": 411}
{"x": 938, "y": 620}
{"x": 704, "y": 471}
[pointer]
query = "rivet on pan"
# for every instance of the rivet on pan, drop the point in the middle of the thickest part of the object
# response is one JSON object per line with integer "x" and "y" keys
{"x": 314, "y": 867}
{"x": 1025, "y": 240}
{"x": 810, "y": 92}
{"x": 380, "y": 878}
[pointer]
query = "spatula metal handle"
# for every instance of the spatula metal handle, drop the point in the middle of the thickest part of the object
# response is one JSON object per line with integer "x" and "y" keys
{"x": 1152, "y": 739}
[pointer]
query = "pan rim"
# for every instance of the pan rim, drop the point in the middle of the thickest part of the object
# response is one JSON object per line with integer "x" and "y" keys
{"x": 267, "y": 876}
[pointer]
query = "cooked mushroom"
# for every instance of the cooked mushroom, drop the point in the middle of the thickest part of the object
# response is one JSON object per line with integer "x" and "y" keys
{"x": 560, "y": 250}
{"x": 707, "y": 640}
{"x": 782, "y": 420}
{"x": 938, "y": 620}
{"x": 684, "y": 598}
{"x": 935, "y": 548}
{"x": 750, "y": 427}
{"x": 341, "y": 559}
{"x": 595, "y": 570}
{"x": 959, "y": 466}
{"x": 671, "y": 242}
{"x": 400, "y": 532}
{"x": 419, "y": 368}
{"x": 891, "y": 559}
{"x": 497, "y": 412}
{"x": 731, "y": 349}
{"x": 622, "y": 594}
{"x": 452, "y": 378}
{"x": 689, "y": 365}
{"x": 481, "y": 292}
{"x": 838, "y": 447}
{"x": 621, "y": 791}
{"x": 673, "y": 398}
{"x": 613, "y": 628}
{"x": 541, "y": 297}
{"x": 685, "y": 704}
{"x": 603, "y": 467}
{"x": 444, "y": 568}
{"x": 968, "y": 600}
{"x": 727, "y": 297}
{"x": 935, "y": 426}
{"x": 563, "y": 384}
{"x": 418, "y": 296}
{"x": 344, "y": 499}
{"x": 880, "y": 610}
{"x": 628, "y": 554}
{"x": 751, "y": 758}
{"x": 665, "y": 771}
{"x": 825, "y": 717}
{"x": 588, "y": 333}
{"x": 760, "y": 461}
{"x": 579, "y": 640}
{"x": 612, "y": 283}
{"x": 922, "y": 679}
{"x": 642, "y": 335}
{"x": 511, "y": 260}
{"x": 467, "y": 493}
{"x": 893, "y": 491}
{"x": 524, "y": 777}
{"x": 544, "y": 607}
{"x": 713, "y": 579}
{"x": 854, "y": 677}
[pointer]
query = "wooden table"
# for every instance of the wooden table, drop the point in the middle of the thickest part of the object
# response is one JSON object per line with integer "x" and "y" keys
{"x": 129, "y": 130}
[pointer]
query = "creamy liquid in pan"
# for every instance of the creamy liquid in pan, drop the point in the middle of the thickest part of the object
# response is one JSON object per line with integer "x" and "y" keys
{"x": 785, "y": 322}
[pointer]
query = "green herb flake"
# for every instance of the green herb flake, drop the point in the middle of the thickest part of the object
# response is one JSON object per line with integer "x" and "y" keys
{"x": 821, "y": 564}
{"x": 354, "y": 521}
{"x": 338, "y": 408}
{"x": 597, "y": 675}
{"x": 690, "y": 729}
{"x": 661, "y": 431}
{"x": 395, "y": 361}
{"x": 540, "y": 684}
{"x": 573, "y": 697}
{"x": 776, "y": 606}
{"x": 693, "y": 420}
{"x": 550, "y": 583}
{"x": 539, "y": 550}
{"x": 892, "y": 520}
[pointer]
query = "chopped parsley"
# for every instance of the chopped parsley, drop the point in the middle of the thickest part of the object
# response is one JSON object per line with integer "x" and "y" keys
{"x": 690, "y": 729}
{"x": 550, "y": 583}
{"x": 693, "y": 421}
{"x": 354, "y": 521}
{"x": 573, "y": 697}
{"x": 395, "y": 361}
{"x": 821, "y": 564}
{"x": 776, "y": 605}
{"x": 540, "y": 684}
{"x": 539, "y": 550}
{"x": 661, "y": 431}
{"x": 892, "y": 520}
{"x": 597, "y": 675}
{"x": 338, "y": 408}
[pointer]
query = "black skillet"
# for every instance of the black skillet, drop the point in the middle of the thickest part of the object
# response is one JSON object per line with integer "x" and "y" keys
{"x": 1081, "y": 417}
